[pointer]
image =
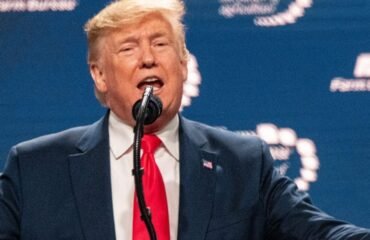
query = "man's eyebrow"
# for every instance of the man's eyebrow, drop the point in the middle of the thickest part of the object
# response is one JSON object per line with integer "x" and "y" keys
{"x": 134, "y": 38}
{"x": 159, "y": 34}
{"x": 128, "y": 39}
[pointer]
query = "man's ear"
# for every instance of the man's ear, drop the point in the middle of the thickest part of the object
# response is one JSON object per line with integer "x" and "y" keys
{"x": 184, "y": 69}
{"x": 97, "y": 74}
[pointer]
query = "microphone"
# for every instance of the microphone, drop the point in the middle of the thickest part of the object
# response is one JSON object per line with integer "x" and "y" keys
{"x": 145, "y": 111}
{"x": 150, "y": 105}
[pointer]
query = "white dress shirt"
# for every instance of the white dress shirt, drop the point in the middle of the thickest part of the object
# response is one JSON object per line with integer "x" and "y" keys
{"x": 121, "y": 138}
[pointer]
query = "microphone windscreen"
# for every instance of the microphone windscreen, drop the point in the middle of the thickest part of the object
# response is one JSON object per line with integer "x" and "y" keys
{"x": 153, "y": 110}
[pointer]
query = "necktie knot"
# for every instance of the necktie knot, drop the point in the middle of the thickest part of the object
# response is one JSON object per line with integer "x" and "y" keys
{"x": 150, "y": 143}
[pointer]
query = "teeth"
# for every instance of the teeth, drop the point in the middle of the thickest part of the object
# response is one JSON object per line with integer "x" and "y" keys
{"x": 149, "y": 80}
{"x": 154, "y": 87}
{"x": 155, "y": 82}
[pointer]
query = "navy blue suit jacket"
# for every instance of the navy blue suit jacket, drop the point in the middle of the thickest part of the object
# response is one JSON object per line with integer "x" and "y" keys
{"x": 58, "y": 187}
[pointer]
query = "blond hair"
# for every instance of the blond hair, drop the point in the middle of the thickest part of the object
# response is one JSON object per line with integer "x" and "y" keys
{"x": 125, "y": 12}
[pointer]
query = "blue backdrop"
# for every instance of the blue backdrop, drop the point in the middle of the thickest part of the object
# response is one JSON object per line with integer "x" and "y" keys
{"x": 296, "y": 73}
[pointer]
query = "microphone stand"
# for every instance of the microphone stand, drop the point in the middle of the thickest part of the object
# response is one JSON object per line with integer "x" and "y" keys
{"x": 138, "y": 171}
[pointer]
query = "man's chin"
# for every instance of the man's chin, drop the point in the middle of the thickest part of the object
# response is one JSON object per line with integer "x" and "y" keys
{"x": 158, "y": 124}
{"x": 152, "y": 128}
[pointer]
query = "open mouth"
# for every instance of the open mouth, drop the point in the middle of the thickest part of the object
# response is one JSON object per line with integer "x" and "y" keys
{"x": 155, "y": 82}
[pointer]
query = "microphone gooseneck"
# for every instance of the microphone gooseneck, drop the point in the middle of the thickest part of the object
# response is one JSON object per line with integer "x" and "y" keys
{"x": 145, "y": 111}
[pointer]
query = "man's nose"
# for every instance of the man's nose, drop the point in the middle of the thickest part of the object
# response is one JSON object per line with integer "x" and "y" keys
{"x": 148, "y": 57}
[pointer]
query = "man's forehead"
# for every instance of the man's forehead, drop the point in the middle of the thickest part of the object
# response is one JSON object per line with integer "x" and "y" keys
{"x": 153, "y": 26}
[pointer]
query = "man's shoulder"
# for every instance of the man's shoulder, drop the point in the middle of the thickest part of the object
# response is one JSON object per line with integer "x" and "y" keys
{"x": 65, "y": 140}
{"x": 219, "y": 135}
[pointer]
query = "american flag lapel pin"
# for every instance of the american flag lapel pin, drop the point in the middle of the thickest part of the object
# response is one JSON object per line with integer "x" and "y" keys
{"x": 207, "y": 164}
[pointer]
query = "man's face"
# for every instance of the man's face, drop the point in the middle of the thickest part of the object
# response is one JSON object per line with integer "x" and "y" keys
{"x": 145, "y": 53}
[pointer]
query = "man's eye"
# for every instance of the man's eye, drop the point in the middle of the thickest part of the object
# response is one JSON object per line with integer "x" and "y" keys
{"x": 126, "y": 49}
{"x": 161, "y": 43}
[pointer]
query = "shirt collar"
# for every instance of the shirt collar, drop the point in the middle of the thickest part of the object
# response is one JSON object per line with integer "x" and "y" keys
{"x": 169, "y": 136}
{"x": 121, "y": 136}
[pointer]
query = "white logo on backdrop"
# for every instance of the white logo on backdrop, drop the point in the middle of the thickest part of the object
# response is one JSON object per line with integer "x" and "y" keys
{"x": 37, "y": 5}
{"x": 265, "y": 11}
{"x": 361, "y": 80}
{"x": 191, "y": 85}
{"x": 284, "y": 143}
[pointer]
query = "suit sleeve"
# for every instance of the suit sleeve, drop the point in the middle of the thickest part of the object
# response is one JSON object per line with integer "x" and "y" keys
{"x": 10, "y": 199}
{"x": 291, "y": 214}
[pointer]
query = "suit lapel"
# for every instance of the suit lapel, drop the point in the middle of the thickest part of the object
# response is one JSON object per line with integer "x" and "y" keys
{"x": 90, "y": 177}
{"x": 197, "y": 183}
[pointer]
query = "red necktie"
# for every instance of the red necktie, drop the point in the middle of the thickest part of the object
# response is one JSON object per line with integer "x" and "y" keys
{"x": 154, "y": 192}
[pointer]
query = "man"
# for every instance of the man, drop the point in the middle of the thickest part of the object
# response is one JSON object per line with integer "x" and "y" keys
{"x": 77, "y": 184}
